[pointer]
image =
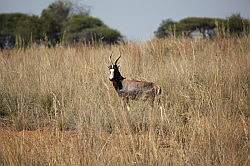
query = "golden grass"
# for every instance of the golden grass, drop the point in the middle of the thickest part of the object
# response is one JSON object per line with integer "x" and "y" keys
{"x": 57, "y": 106}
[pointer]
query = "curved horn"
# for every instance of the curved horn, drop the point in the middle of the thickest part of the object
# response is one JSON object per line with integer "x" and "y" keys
{"x": 110, "y": 58}
{"x": 117, "y": 59}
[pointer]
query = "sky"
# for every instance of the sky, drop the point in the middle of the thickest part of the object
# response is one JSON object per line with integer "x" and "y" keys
{"x": 138, "y": 19}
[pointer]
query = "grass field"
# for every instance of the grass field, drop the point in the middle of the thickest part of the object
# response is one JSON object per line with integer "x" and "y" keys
{"x": 58, "y": 107}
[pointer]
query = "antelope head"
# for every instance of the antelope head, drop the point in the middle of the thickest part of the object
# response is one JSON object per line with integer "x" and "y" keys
{"x": 114, "y": 70}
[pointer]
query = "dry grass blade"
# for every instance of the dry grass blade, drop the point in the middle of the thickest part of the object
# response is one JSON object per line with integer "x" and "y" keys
{"x": 57, "y": 106}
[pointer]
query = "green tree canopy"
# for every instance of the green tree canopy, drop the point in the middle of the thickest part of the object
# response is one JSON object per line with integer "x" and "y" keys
{"x": 53, "y": 18}
{"x": 165, "y": 29}
{"x": 192, "y": 23}
{"x": 23, "y": 26}
{"x": 60, "y": 18}
{"x": 55, "y": 15}
{"x": 234, "y": 24}
{"x": 238, "y": 25}
{"x": 89, "y": 29}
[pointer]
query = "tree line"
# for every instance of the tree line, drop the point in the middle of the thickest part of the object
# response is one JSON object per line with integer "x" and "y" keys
{"x": 64, "y": 22}
{"x": 61, "y": 22}
{"x": 235, "y": 25}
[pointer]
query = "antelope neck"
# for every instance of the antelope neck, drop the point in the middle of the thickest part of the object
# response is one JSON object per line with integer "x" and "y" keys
{"x": 117, "y": 82}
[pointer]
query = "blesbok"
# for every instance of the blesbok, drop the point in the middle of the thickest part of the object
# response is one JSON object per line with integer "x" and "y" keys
{"x": 132, "y": 89}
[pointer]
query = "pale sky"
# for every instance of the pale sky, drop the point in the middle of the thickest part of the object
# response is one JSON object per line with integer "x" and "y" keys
{"x": 138, "y": 19}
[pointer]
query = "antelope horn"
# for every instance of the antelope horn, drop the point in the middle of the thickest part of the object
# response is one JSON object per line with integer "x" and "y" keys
{"x": 117, "y": 59}
{"x": 110, "y": 58}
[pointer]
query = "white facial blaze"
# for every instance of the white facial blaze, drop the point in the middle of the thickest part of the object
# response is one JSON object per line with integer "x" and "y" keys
{"x": 111, "y": 76}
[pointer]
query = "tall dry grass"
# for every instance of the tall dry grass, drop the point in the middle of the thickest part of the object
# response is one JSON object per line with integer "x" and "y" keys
{"x": 57, "y": 106}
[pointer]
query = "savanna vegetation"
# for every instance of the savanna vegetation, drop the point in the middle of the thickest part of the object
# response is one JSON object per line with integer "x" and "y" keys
{"x": 57, "y": 106}
{"x": 68, "y": 23}
{"x": 234, "y": 25}
{"x": 61, "y": 22}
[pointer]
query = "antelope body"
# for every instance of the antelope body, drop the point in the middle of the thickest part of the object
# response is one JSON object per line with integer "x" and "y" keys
{"x": 132, "y": 89}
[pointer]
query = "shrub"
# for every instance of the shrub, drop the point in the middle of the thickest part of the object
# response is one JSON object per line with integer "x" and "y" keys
{"x": 237, "y": 25}
{"x": 89, "y": 29}
{"x": 234, "y": 24}
{"x": 19, "y": 25}
{"x": 165, "y": 29}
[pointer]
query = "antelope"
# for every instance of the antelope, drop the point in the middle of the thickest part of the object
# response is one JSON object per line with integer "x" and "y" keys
{"x": 132, "y": 89}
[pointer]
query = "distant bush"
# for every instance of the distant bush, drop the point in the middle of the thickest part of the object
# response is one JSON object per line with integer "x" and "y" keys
{"x": 53, "y": 18}
{"x": 238, "y": 25}
{"x": 89, "y": 29}
{"x": 60, "y": 18}
{"x": 234, "y": 24}
{"x": 166, "y": 28}
{"x": 192, "y": 23}
{"x": 78, "y": 22}
{"x": 19, "y": 26}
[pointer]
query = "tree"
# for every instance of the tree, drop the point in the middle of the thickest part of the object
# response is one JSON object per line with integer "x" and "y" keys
{"x": 59, "y": 18}
{"x": 89, "y": 29}
{"x": 53, "y": 18}
{"x": 234, "y": 24}
{"x": 23, "y": 26}
{"x": 55, "y": 15}
{"x": 237, "y": 25}
{"x": 165, "y": 29}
